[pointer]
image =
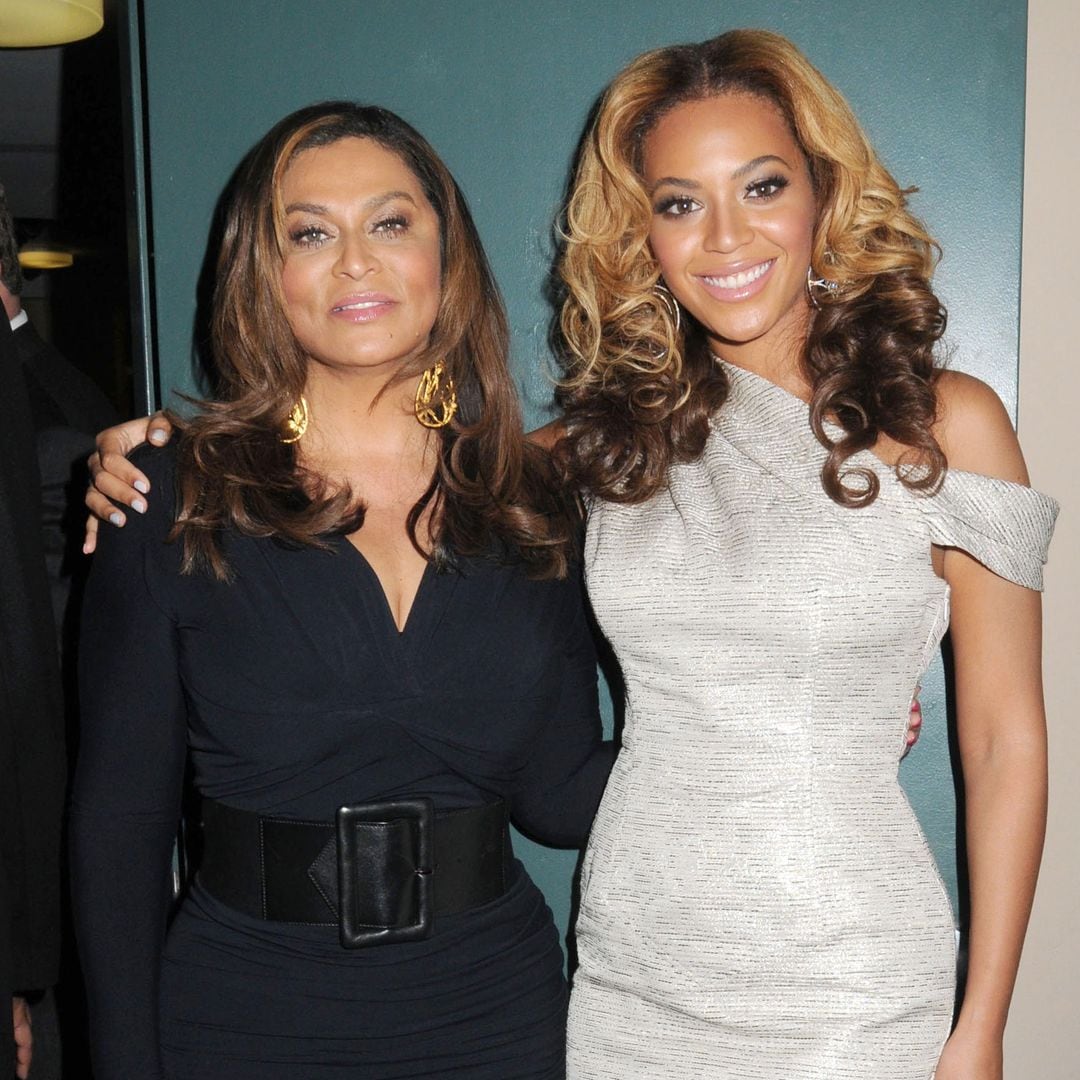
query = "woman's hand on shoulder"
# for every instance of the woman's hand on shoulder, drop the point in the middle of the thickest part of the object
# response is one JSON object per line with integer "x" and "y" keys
{"x": 114, "y": 481}
{"x": 975, "y": 431}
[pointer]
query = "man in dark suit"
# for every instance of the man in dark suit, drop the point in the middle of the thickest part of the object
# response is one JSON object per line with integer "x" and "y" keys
{"x": 67, "y": 409}
{"x": 31, "y": 726}
{"x": 48, "y": 414}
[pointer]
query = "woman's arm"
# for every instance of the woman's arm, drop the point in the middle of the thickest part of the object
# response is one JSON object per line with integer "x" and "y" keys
{"x": 126, "y": 797}
{"x": 556, "y": 797}
{"x": 996, "y": 637}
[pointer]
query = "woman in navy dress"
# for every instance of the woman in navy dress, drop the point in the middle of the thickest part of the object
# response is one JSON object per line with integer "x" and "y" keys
{"x": 352, "y": 590}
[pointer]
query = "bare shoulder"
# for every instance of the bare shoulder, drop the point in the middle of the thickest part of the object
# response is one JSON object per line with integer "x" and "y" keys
{"x": 974, "y": 429}
{"x": 548, "y": 435}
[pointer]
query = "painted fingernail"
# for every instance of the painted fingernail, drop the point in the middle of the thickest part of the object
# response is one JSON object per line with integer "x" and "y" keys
{"x": 142, "y": 485}
{"x": 116, "y": 519}
{"x": 157, "y": 436}
{"x": 139, "y": 506}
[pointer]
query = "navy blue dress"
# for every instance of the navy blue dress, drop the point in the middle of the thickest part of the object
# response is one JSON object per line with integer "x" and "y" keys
{"x": 290, "y": 691}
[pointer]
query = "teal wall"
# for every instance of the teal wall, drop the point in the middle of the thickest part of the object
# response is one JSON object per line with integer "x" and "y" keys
{"x": 502, "y": 90}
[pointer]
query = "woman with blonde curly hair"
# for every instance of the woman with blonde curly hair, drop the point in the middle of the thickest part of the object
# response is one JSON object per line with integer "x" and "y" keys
{"x": 785, "y": 490}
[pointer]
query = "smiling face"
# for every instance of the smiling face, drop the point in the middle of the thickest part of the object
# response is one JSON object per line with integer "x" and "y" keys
{"x": 361, "y": 273}
{"x": 733, "y": 223}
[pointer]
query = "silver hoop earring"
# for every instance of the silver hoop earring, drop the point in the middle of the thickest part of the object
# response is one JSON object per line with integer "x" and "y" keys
{"x": 664, "y": 295}
{"x": 830, "y": 288}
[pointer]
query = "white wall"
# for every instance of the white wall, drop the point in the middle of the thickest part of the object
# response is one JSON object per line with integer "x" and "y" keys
{"x": 1043, "y": 1037}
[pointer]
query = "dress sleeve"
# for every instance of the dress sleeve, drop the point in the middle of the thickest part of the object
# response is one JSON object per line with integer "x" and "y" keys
{"x": 128, "y": 780}
{"x": 556, "y": 797}
{"x": 1006, "y": 526}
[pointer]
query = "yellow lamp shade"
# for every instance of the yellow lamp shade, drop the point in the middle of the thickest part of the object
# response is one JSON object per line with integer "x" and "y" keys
{"x": 30, "y": 23}
{"x": 45, "y": 258}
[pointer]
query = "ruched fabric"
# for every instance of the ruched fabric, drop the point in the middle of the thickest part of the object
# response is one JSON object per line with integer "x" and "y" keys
{"x": 758, "y": 900}
{"x": 485, "y": 998}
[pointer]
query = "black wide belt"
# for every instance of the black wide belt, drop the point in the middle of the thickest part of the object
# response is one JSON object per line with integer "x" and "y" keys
{"x": 380, "y": 872}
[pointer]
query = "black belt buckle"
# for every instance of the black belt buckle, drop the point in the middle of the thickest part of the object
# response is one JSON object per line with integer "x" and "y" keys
{"x": 386, "y": 858}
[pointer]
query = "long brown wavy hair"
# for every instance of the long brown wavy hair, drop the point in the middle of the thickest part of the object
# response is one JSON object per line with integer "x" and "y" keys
{"x": 490, "y": 493}
{"x": 637, "y": 394}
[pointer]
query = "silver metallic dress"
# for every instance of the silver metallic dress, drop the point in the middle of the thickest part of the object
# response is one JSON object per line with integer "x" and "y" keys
{"x": 758, "y": 900}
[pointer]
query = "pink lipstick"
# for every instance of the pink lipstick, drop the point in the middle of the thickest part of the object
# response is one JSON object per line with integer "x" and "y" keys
{"x": 363, "y": 307}
{"x": 738, "y": 281}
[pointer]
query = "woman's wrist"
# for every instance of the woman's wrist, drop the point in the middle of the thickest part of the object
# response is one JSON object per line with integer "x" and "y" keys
{"x": 981, "y": 1022}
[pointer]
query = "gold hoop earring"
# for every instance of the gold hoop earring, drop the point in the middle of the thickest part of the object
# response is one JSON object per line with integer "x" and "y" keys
{"x": 435, "y": 404}
{"x": 296, "y": 423}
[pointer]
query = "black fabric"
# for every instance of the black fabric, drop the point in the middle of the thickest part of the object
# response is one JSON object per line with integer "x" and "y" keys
{"x": 31, "y": 715}
{"x": 67, "y": 409}
{"x": 292, "y": 693}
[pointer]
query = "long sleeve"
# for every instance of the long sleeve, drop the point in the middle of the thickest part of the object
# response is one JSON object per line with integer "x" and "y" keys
{"x": 126, "y": 798}
{"x": 557, "y": 796}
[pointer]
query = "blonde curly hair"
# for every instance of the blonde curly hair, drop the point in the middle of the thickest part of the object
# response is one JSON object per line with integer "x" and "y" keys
{"x": 637, "y": 391}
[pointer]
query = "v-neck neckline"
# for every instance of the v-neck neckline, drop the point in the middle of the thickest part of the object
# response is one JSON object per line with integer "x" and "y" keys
{"x": 411, "y": 616}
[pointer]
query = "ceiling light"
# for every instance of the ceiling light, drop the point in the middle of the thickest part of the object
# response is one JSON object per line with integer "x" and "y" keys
{"x": 33, "y": 23}
{"x": 37, "y": 256}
